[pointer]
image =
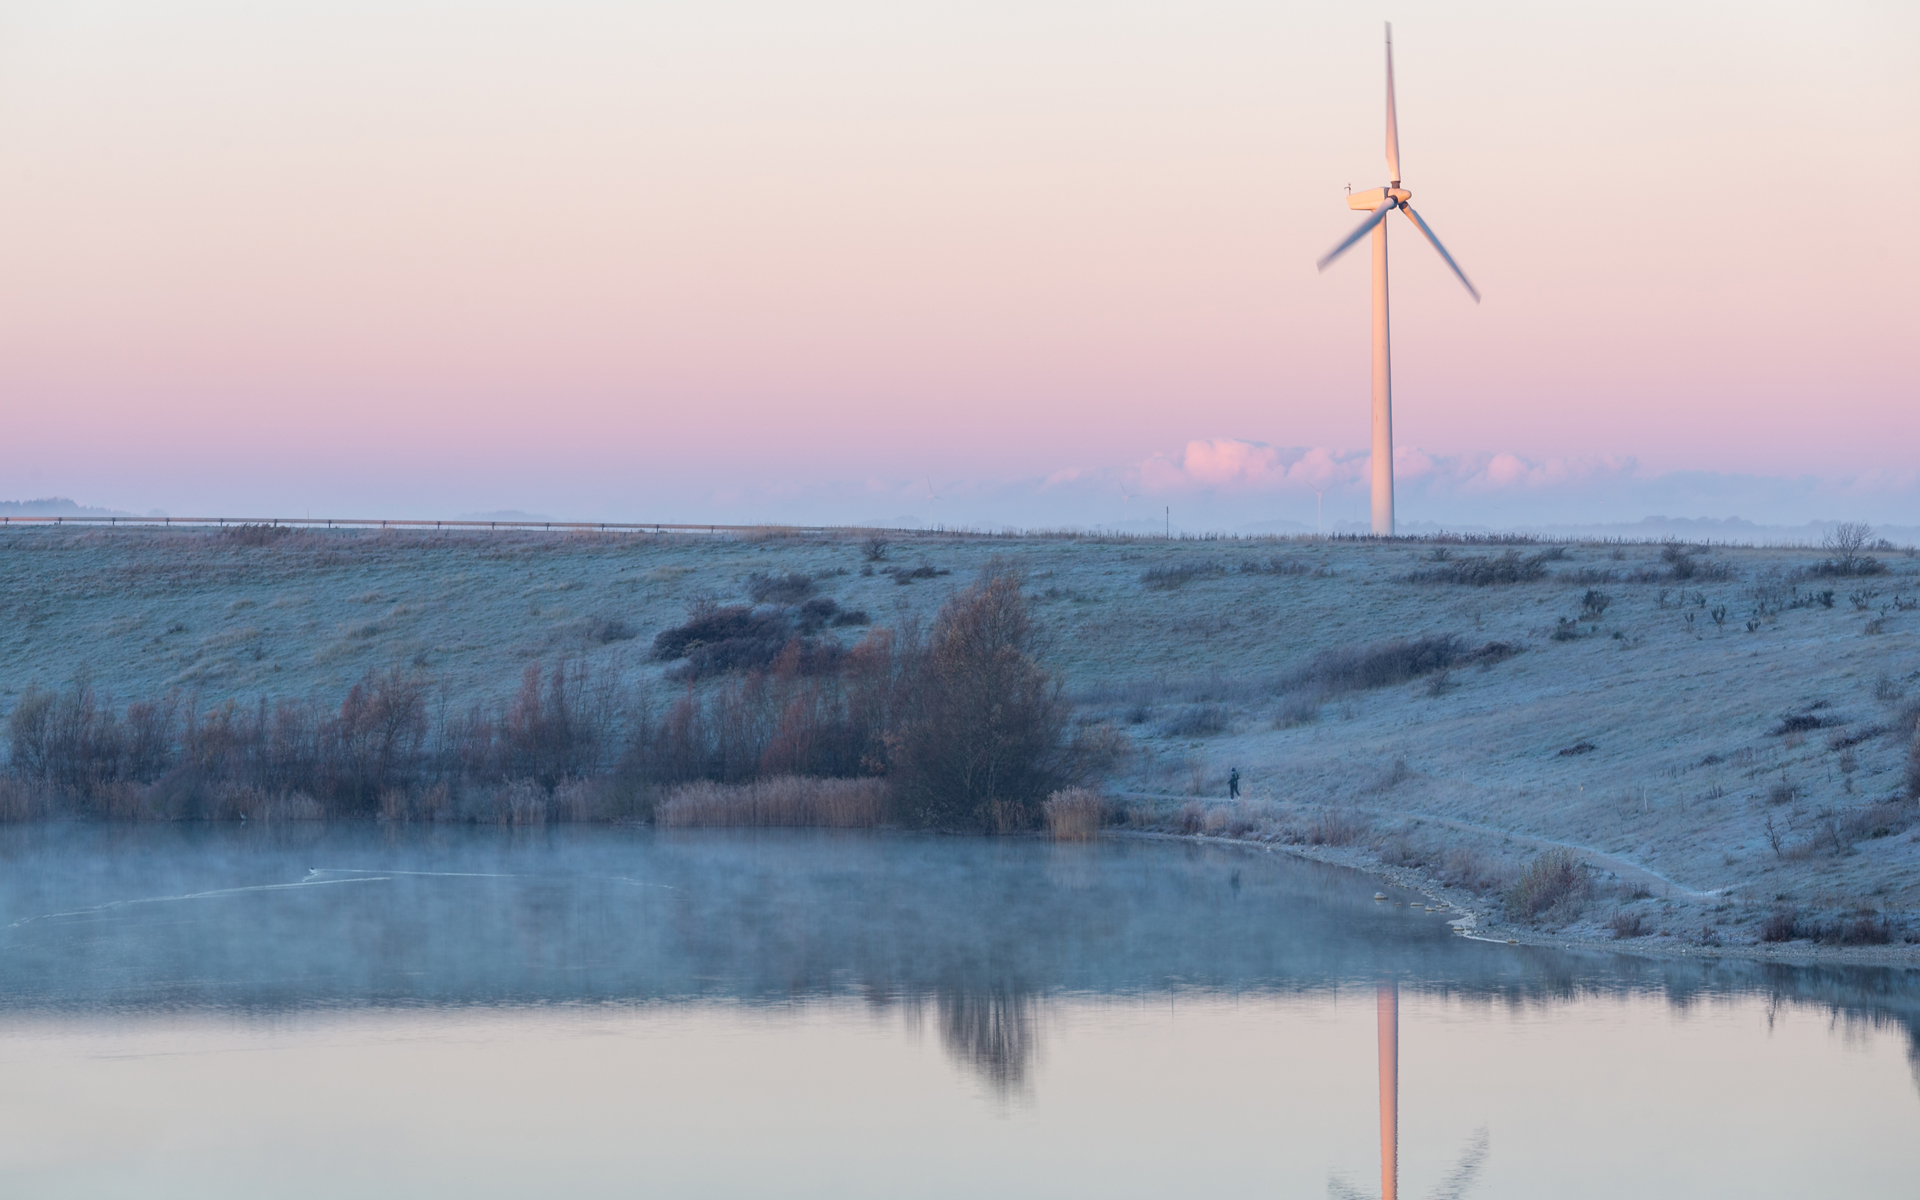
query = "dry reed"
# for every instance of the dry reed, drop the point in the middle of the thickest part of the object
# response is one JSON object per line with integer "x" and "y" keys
{"x": 1074, "y": 814}
{"x": 786, "y": 800}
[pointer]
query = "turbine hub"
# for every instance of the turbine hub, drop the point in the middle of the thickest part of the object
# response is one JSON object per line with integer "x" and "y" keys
{"x": 1370, "y": 199}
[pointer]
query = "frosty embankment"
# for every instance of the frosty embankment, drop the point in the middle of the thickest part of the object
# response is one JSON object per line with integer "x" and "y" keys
{"x": 1721, "y": 736}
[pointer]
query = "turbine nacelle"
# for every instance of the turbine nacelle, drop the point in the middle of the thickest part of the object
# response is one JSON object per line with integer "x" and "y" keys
{"x": 1370, "y": 199}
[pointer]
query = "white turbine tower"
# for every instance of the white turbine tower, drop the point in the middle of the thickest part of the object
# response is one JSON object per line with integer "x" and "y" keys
{"x": 1383, "y": 201}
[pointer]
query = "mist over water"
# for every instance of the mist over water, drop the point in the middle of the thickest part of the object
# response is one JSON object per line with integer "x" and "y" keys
{"x": 460, "y": 1009}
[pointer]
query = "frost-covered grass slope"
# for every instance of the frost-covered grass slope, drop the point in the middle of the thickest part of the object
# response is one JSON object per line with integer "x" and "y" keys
{"x": 1187, "y": 645}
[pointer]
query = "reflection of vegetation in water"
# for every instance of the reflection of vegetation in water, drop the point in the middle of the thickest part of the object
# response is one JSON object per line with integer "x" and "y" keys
{"x": 979, "y": 932}
{"x": 993, "y": 1029}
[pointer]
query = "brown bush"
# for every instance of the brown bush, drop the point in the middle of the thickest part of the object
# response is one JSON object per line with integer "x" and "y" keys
{"x": 986, "y": 740}
{"x": 789, "y": 800}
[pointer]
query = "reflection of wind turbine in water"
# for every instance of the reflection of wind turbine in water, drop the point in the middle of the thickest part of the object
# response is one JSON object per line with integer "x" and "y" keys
{"x": 1383, "y": 201}
{"x": 1455, "y": 1183}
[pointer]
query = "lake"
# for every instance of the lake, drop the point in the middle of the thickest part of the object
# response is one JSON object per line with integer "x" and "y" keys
{"x": 298, "y": 1011}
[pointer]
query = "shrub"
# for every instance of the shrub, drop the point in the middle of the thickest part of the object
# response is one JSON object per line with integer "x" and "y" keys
{"x": 779, "y": 589}
{"x": 874, "y": 549}
{"x": 1485, "y": 571}
{"x": 1297, "y": 710}
{"x": 261, "y": 534}
{"x": 1913, "y": 764}
{"x": 1781, "y": 925}
{"x": 1628, "y": 925}
{"x": 22, "y": 801}
{"x": 1864, "y": 929}
{"x": 1074, "y": 814}
{"x": 1800, "y": 722}
{"x": 1197, "y": 720}
{"x": 740, "y": 639}
{"x": 1843, "y": 739}
{"x": 608, "y": 629}
{"x": 1387, "y": 663}
{"x": 1167, "y": 578}
{"x": 1275, "y": 565}
{"x": 1594, "y": 603}
{"x": 1846, "y": 543}
{"x": 904, "y": 575}
{"x": 786, "y": 800}
{"x": 988, "y": 739}
{"x": 1552, "y": 879}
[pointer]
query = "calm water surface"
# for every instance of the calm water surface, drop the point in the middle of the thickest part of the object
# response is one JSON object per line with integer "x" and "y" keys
{"x": 589, "y": 1012}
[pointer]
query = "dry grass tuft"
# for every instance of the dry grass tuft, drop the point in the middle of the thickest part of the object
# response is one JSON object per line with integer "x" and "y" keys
{"x": 1074, "y": 814}
{"x": 788, "y": 800}
{"x": 1550, "y": 881}
{"x": 1628, "y": 925}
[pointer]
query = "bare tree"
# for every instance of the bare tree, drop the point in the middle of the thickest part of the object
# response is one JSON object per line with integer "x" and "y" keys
{"x": 1846, "y": 542}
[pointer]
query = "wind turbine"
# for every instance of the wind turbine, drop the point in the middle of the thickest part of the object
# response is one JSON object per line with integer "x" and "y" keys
{"x": 1455, "y": 1183}
{"x": 1382, "y": 202}
{"x": 1126, "y": 501}
{"x": 930, "y": 499}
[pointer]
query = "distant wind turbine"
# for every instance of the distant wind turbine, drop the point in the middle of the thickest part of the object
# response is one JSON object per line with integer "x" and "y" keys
{"x": 930, "y": 499}
{"x": 1318, "y": 494}
{"x": 1126, "y": 498}
{"x": 1382, "y": 201}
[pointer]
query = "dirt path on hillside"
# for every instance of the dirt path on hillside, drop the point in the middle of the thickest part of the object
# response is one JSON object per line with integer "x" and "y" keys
{"x": 1621, "y": 869}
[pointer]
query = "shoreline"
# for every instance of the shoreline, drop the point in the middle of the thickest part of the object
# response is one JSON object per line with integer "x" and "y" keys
{"x": 1478, "y": 916}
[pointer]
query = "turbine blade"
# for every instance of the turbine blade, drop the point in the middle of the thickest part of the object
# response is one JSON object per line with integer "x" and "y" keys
{"x": 1455, "y": 1183}
{"x": 1415, "y": 218}
{"x": 1340, "y": 1189}
{"x": 1393, "y": 117}
{"x": 1366, "y": 227}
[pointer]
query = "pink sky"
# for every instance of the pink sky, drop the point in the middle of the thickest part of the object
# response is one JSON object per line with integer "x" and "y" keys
{"x": 640, "y": 261}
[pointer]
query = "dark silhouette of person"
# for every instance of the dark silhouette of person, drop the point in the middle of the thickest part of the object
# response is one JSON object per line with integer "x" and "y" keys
{"x": 1233, "y": 785}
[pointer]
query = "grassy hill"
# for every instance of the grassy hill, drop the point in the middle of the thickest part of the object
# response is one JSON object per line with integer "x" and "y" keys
{"x": 1724, "y": 727}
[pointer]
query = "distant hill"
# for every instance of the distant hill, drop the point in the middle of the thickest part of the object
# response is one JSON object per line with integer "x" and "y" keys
{"x": 504, "y": 514}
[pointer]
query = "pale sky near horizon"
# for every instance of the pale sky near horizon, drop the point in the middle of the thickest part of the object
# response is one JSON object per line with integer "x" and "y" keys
{"x": 814, "y": 261}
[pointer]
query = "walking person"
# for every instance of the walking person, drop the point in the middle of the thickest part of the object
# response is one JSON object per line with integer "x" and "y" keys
{"x": 1233, "y": 785}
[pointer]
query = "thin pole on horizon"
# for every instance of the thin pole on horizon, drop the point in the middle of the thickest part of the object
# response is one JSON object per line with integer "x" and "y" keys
{"x": 1169, "y": 521}
{"x": 1317, "y": 494}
